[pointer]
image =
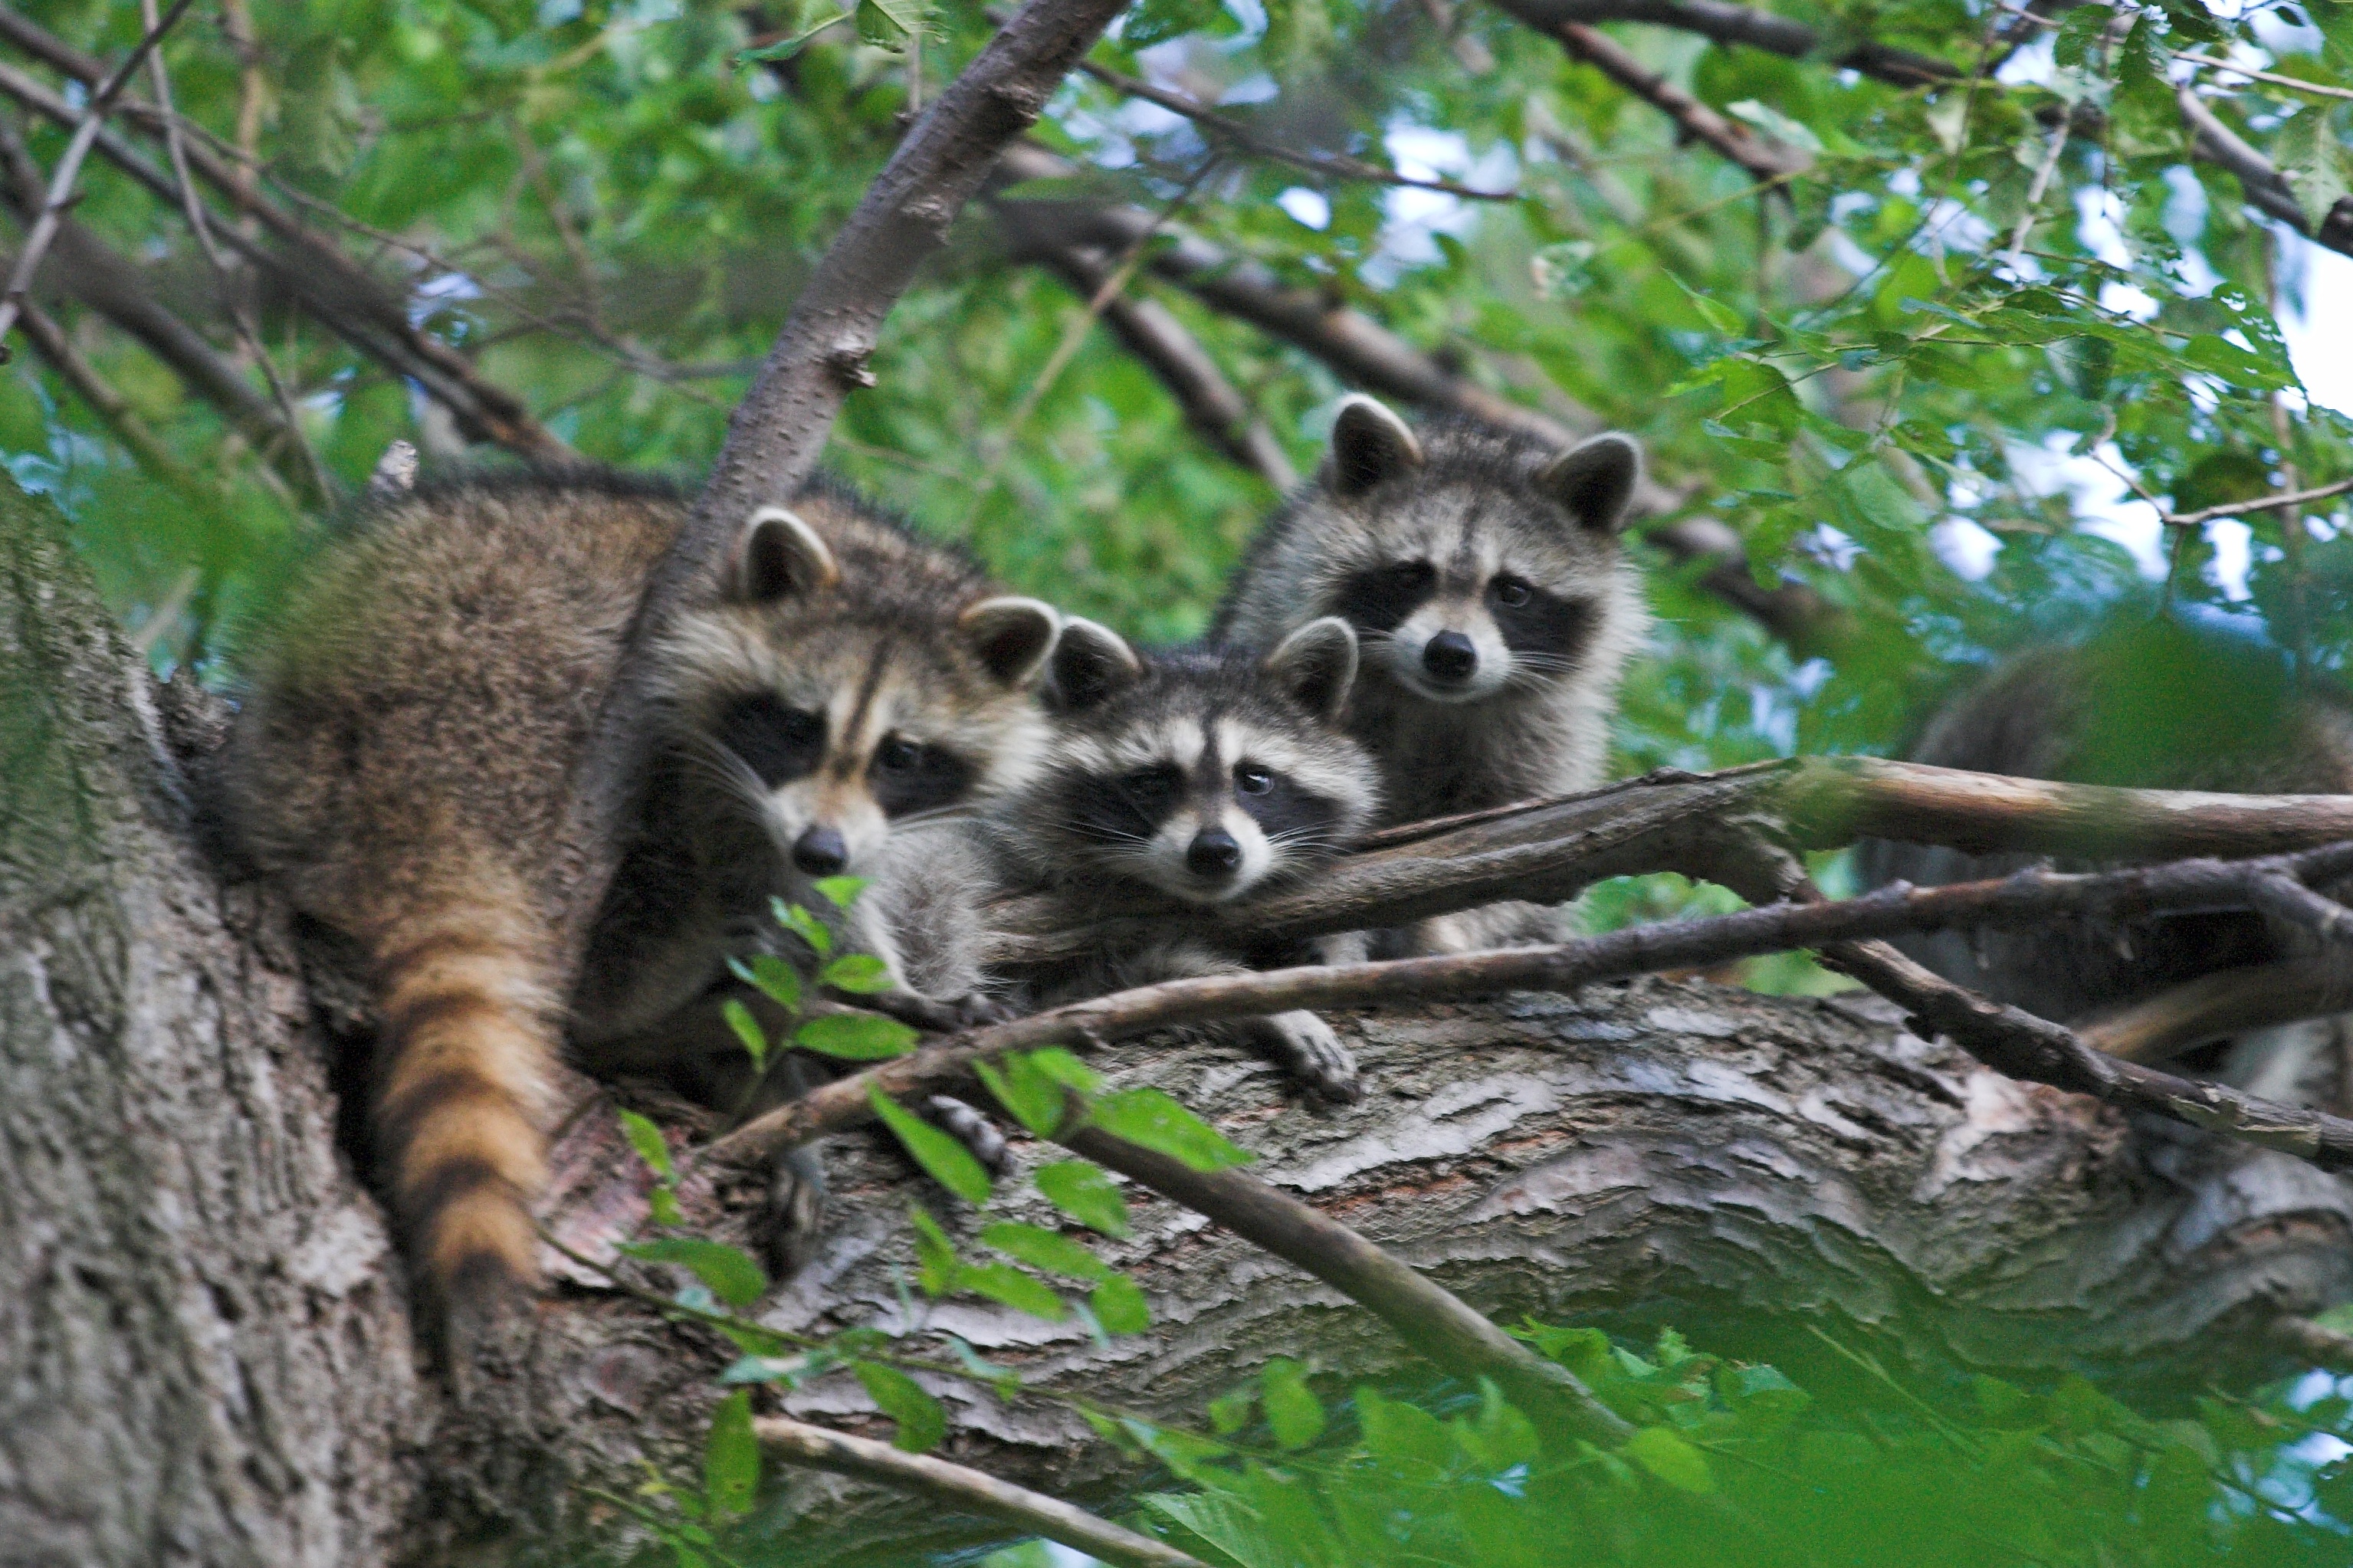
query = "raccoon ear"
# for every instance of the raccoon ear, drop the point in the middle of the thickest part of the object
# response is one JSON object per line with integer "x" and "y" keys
{"x": 1011, "y": 637}
{"x": 1316, "y": 664}
{"x": 779, "y": 556}
{"x": 1595, "y": 479}
{"x": 1370, "y": 444}
{"x": 1091, "y": 663}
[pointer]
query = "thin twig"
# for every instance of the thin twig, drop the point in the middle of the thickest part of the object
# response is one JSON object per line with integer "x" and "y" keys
{"x": 2261, "y": 503}
{"x": 1765, "y": 159}
{"x": 115, "y": 410}
{"x": 961, "y": 1487}
{"x": 321, "y": 487}
{"x": 2299, "y": 84}
{"x": 2034, "y": 193}
{"x": 68, "y": 170}
{"x": 1334, "y": 165}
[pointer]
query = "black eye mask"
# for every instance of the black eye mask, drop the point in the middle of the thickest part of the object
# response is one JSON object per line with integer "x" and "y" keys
{"x": 777, "y": 742}
{"x": 1379, "y": 598}
{"x": 909, "y": 778}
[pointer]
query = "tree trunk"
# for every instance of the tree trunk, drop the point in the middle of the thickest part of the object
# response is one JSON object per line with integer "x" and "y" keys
{"x": 208, "y": 1352}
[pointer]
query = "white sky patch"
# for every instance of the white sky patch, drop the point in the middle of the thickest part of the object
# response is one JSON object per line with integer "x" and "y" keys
{"x": 2233, "y": 544}
{"x": 2103, "y": 503}
{"x": 1966, "y": 549}
{"x": 1306, "y": 206}
{"x": 2316, "y": 318}
{"x": 1412, "y": 216}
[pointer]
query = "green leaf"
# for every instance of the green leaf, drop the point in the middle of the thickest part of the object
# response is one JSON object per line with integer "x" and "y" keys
{"x": 1119, "y": 1306}
{"x": 1046, "y": 1251}
{"x": 877, "y": 25}
{"x": 1151, "y": 1120}
{"x": 921, "y": 1422}
{"x": 1499, "y": 1436}
{"x": 1292, "y": 1412}
{"x": 1713, "y": 312}
{"x": 2313, "y": 157}
{"x": 1231, "y": 1412}
{"x": 859, "y": 972}
{"x": 802, "y": 924}
{"x": 774, "y": 978}
{"x": 950, "y": 1163}
{"x": 1001, "y": 1282}
{"x": 935, "y": 1256}
{"x": 747, "y": 1029}
{"x": 732, "y": 1275}
{"x": 662, "y": 1204}
{"x": 730, "y": 1458}
{"x": 856, "y": 1036}
{"x": 652, "y": 1147}
{"x": 1031, "y": 1095}
{"x": 1066, "y": 1069}
{"x": 1081, "y": 1189}
{"x": 786, "y": 49}
{"x": 841, "y": 891}
{"x": 1670, "y": 1459}
{"x": 2079, "y": 35}
{"x": 1775, "y": 124}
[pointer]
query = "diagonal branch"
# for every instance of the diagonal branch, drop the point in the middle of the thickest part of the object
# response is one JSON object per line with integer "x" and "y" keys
{"x": 776, "y": 434}
{"x": 61, "y": 181}
{"x": 2226, "y": 1003}
{"x": 113, "y": 409}
{"x": 1332, "y": 166}
{"x": 963, "y": 1488}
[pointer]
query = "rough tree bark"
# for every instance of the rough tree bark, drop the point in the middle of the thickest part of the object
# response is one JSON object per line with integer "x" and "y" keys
{"x": 205, "y": 1354}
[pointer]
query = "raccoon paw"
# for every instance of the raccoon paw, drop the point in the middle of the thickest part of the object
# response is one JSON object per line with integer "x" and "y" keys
{"x": 792, "y": 1218}
{"x": 975, "y": 1010}
{"x": 973, "y": 1130}
{"x": 1311, "y": 1052}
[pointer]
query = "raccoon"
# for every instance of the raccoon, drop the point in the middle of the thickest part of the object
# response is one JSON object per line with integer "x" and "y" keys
{"x": 1206, "y": 774}
{"x": 1483, "y": 573}
{"x": 2146, "y": 703}
{"x": 411, "y": 725}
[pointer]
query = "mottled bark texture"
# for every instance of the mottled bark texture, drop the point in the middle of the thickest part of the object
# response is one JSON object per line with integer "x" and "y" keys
{"x": 204, "y": 1355}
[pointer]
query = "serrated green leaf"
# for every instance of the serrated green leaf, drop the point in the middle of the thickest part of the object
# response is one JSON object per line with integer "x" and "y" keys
{"x": 859, "y": 971}
{"x": 1292, "y": 1412}
{"x": 1120, "y": 1307}
{"x": 1713, "y": 312}
{"x": 774, "y": 978}
{"x": 1672, "y": 1458}
{"x": 747, "y": 1029}
{"x": 1151, "y": 1120}
{"x": 802, "y": 924}
{"x": 921, "y": 1422}
{"x": 1084, "y": 1191}
{"x": 730, "y": 1273}
{"x": 730, "y": 1458}
{"x": 1031, "y": 1095}
{"x": 1002, "y": 1282}
{"x": 1046, "y": 1251}
{"x": 949, "y": 1162}
{"x": 878, "y": 27}
{"x": 2312, "y": 155}
{"x": 856, "y": 1036}
{"x": 652, "y": 1147}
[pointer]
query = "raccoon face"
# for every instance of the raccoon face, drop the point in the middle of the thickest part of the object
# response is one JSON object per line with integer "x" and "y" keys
{"x": 827, "y": 717}
{"x": 1462, "y": 583}
{"x": 1202, "y": 775}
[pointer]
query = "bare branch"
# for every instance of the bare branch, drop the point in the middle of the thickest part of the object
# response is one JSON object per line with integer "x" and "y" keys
{"x": 111, "y": 407}
{"x": 61, "y": 183}
{"x": 1731, "y": 24}
{"x": 1332, "y": 166}
{"x": 1765, "y": 159}
{"x": 2288, "y": 500}
{"x": 2226, "y": 1003}
{"x": 778, "y": 432}
{"x": 959, "y": 1487}
{"x": 2286, "y": 899}
{"x": 1437, "y": 1323}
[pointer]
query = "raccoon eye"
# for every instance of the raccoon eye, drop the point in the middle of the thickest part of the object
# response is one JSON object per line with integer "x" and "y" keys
{"x": 1252, "y": 781}
{"x": 777, "y": 742}
{"x": 898, "y": 755}
{"x": 1151, "y": 786}
{"x": 1512, "y": 592}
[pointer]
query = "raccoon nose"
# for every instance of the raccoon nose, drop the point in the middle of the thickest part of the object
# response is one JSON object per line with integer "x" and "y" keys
{"x": 1213, "y": 853}
{"x": 820, "y": 852}
{"x": 1449, "y": 655}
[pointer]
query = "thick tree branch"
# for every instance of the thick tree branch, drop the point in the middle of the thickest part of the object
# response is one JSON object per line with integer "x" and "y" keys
{"x": 776, "y": 434}
{"x": 1436, "y": 1322}
{"x": 1365, "y": 353}
{"x": 960, "y": 1486}
{"x": 2265, "y": 188}
{"x": 2218, "y": 1006}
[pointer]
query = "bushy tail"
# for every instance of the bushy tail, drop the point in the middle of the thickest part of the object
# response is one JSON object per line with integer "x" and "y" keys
{"x": 461, "y": 1091}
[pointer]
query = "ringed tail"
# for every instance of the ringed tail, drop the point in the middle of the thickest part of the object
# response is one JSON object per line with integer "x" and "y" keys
{"x": 463, "y": 1086}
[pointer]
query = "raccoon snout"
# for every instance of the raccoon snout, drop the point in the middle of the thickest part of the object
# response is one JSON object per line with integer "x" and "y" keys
{"x": 1450, "y": 656}
{"x": 820, "y": 852}
{"x": 1214, "y": 852}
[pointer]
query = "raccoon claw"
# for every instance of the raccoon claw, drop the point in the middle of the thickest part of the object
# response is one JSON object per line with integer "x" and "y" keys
{"x": 971, "y": 1128}
{"x": 792, "y": 1218}
{"x": 1311, "y": 1050}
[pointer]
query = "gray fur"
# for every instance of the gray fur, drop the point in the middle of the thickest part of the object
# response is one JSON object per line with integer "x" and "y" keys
{"x": 1480, "y": 507}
